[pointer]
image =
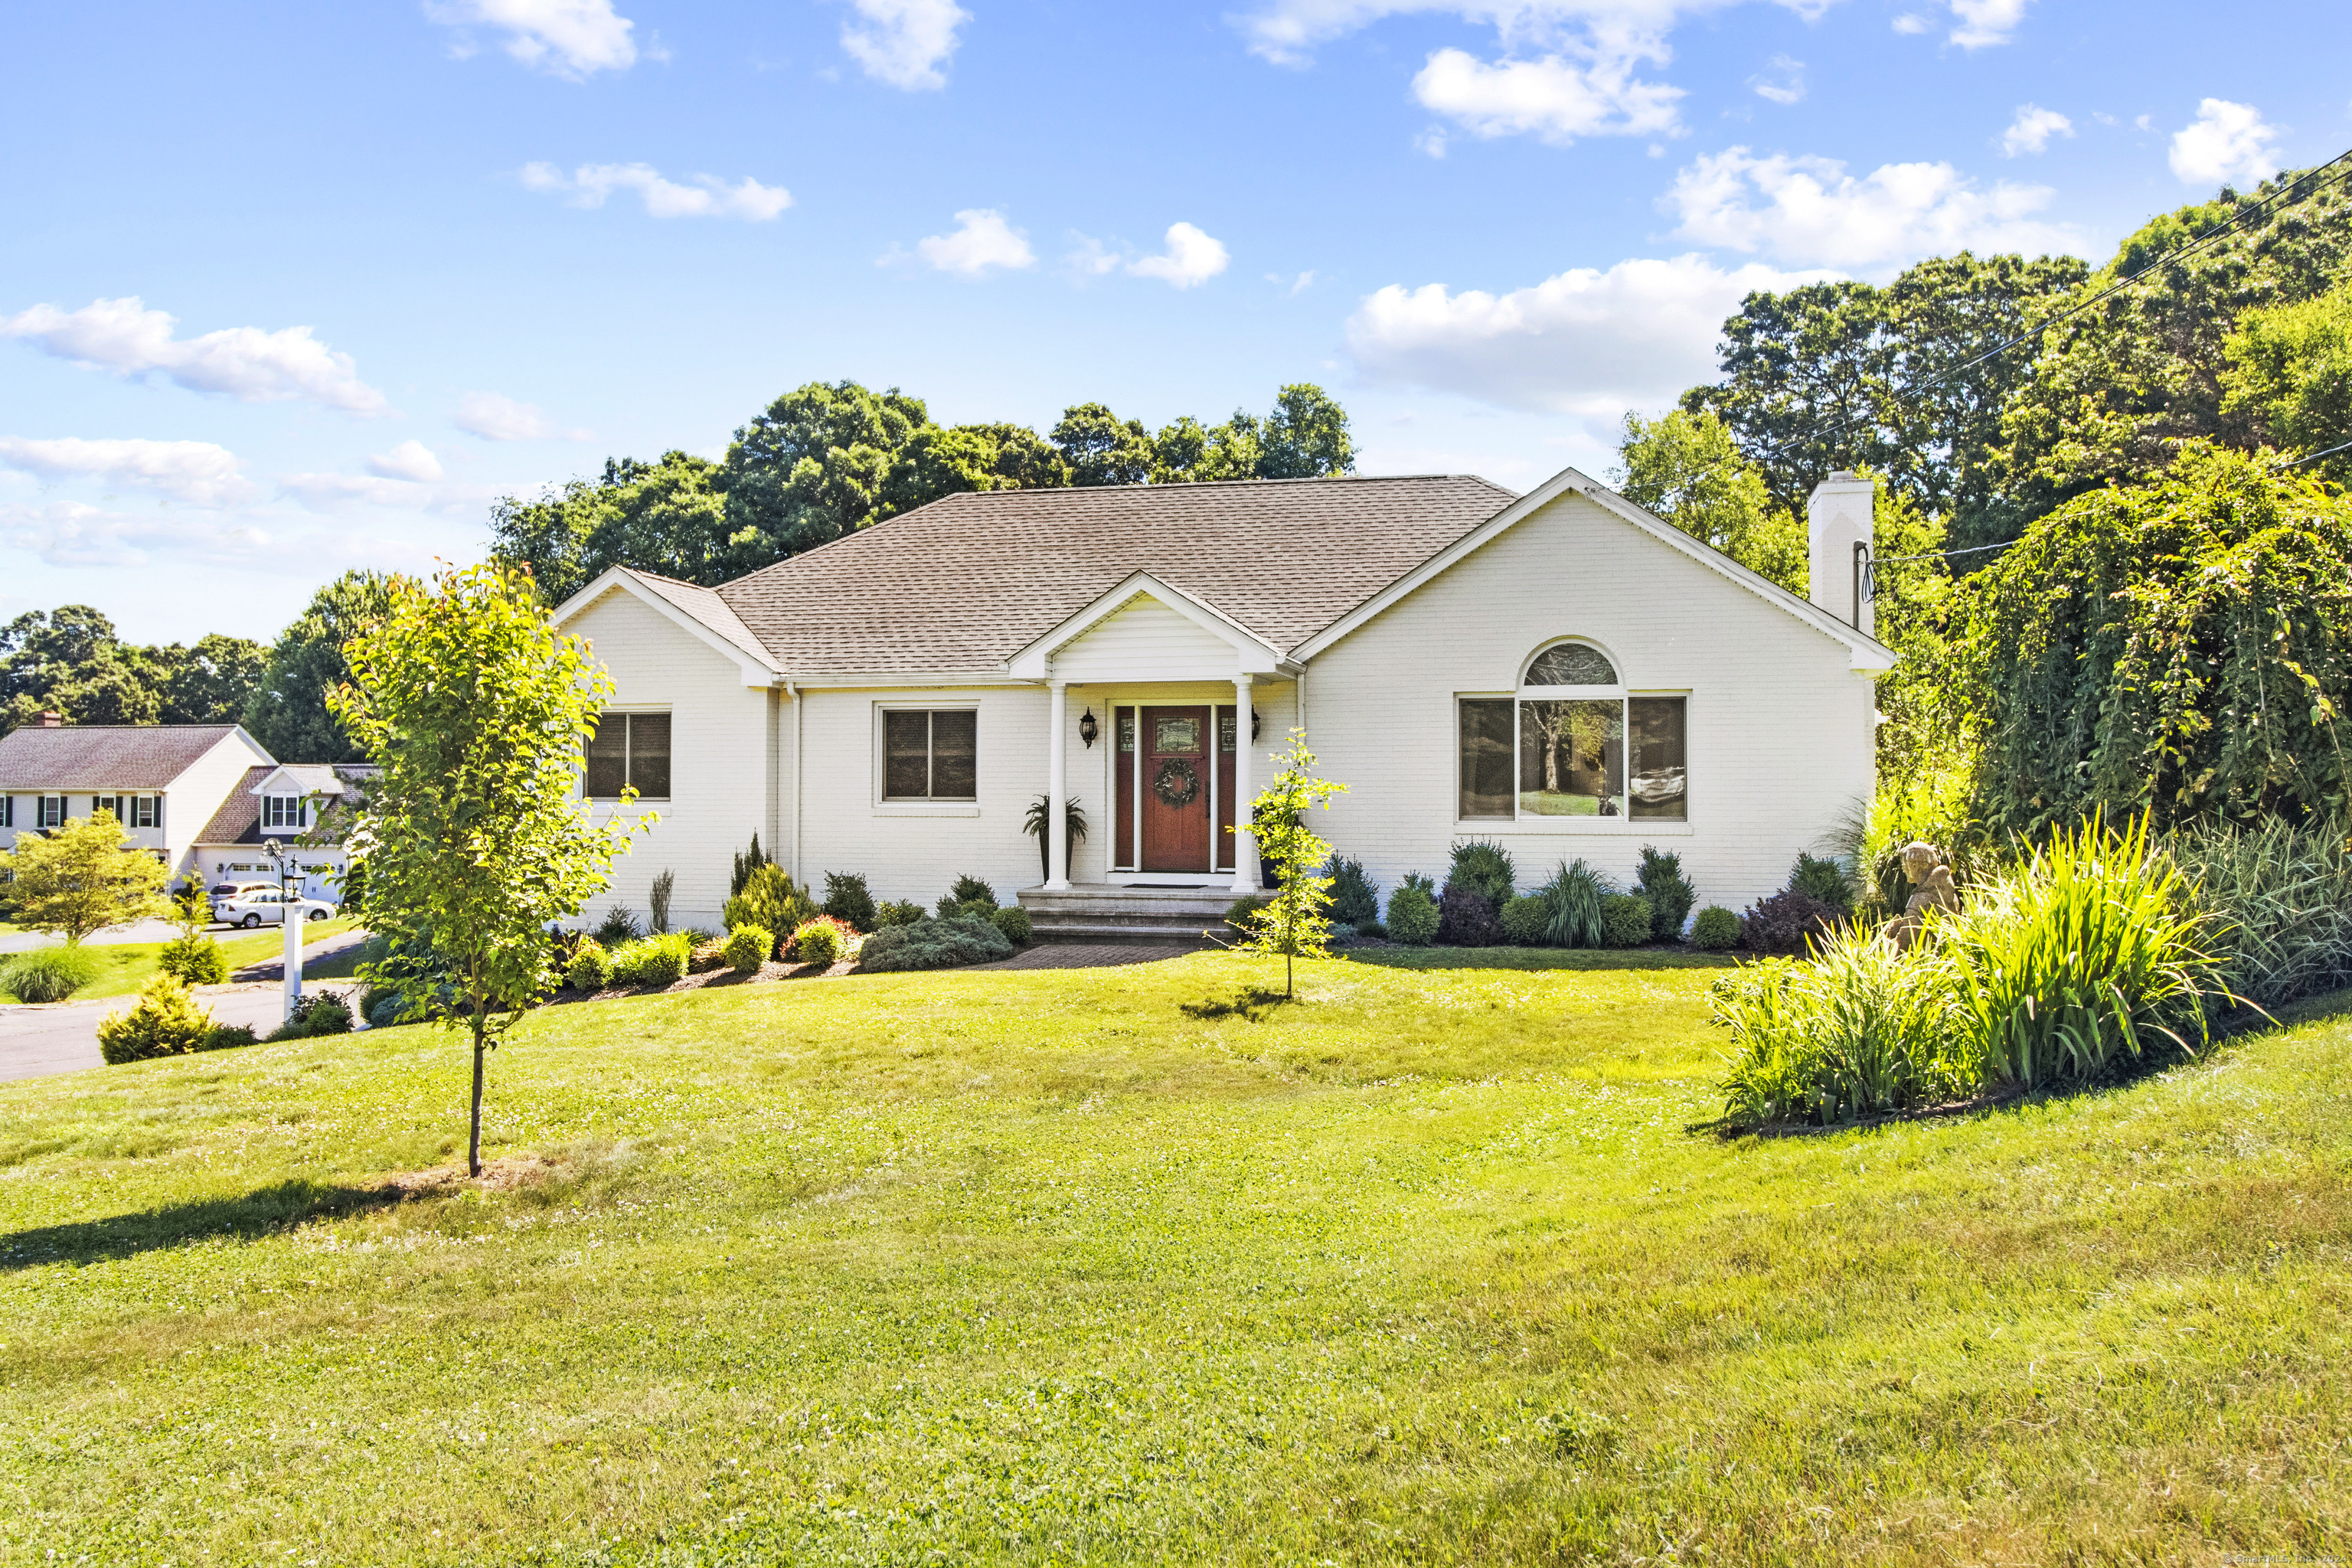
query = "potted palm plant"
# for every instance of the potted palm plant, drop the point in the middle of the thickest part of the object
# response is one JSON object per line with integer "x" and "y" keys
{"x": 1074, "y": 821}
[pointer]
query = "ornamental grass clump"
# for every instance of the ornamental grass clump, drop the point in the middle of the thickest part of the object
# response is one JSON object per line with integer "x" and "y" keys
{"x": 2281, "y": 894}
{"x": 47, "y": 973}
{"x": 2091, "y": 954}
{"x": 1576, "y": 893}
{"x": 1861, "y": 1030}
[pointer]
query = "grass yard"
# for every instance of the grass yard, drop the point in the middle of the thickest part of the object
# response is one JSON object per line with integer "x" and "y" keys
{"x": 124, "y": 967}
{"x": 1134, "y": 1265}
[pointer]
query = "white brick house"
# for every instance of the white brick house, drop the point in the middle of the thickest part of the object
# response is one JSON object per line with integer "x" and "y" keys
{"x": 1559, "y": 671}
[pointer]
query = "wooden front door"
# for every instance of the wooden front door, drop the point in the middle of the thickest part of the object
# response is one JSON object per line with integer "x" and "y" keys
{"x": 1177, "y": 754}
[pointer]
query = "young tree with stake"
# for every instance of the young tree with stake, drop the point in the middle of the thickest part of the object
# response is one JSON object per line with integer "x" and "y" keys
{"x": 1297, "y": 922}
{"x": 474, "y": 842}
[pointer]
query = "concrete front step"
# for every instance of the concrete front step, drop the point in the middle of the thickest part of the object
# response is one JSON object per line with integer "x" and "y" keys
{"x": 1098, "y": 912}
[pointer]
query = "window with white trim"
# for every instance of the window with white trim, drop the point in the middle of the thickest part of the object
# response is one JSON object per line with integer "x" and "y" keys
{"x": 931, "y": 753}
{"x": 1573, "y": 741}
{"x": 7, "y": 810}
{"x": 53, "y": 811}
{"x": 281, "y": 812}
{"x": 629, "y": 749}
{"x": 146, "y": 811}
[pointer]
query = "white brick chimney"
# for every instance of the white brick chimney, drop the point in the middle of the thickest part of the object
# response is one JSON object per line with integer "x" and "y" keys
{"x": 1837, "y": 518}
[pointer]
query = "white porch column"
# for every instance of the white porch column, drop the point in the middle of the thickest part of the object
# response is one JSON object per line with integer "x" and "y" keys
{"x": 1245, "y": 879}
{"x": 1057, "y": 788}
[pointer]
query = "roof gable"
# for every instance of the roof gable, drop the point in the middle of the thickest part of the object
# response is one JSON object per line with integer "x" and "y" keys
{"x": 698, "y": 610}
{"x": 1148, "y": 622}
{"x": 1866, "y": 652}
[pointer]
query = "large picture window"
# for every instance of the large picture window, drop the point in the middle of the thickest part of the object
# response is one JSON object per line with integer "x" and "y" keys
{"x": 629, "y": 749}
{"x": 931, "y": 753}
{"x": 1573, "y": 744}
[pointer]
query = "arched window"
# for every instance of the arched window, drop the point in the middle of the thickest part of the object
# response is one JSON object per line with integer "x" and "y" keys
{"x": 1573, "y": 743}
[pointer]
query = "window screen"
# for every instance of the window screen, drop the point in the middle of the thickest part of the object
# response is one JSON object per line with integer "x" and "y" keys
{"x": 1486, "y": 757}
{"x": 628, "y": 749}
{"x": 930, "y": 754}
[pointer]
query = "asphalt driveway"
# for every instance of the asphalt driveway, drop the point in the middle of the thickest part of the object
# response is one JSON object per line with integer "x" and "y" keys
{"x": 63, "y": 1036}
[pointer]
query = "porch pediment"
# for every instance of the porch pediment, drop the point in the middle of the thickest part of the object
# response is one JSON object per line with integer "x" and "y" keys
{"x": 1145, "y": 630}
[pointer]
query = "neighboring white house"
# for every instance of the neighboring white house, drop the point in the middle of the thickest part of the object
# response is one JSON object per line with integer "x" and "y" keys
{"x": 1560, "y": 672}
{"x": 163, "y": 782}
{"x": 292, "y": 805}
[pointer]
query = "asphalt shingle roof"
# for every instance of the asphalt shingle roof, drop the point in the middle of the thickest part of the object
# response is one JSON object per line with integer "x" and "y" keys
{"x": 706, "y": 606}
{"x": 966, "y": 582}
{"x": 104, "y": 756}
{"x": 239, "y": 820}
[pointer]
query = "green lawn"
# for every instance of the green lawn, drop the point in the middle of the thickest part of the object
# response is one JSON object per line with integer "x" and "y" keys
{"x": 1134, "y": 1265}
{"x": 124, "y": 967}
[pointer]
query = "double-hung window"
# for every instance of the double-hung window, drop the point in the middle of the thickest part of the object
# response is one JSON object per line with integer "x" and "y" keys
{"x": 629, "y": 749}
{"x": 146, "y": 811}
{"x": 279, "y": 812}
{"x": 931, "y": 753}
{"x": 1573, "y": 743}
{"x": 53, "y": 811}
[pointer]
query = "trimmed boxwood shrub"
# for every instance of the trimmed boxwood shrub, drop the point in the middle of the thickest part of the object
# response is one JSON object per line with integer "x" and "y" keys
{"x": 1014, "y": 922}
{"x": 1466, "y": 918}
{"x": 653, "y": 960}
{"x": 1788, "y": 923}
{"x": 1413, "y": 916}
{"x": 1624, "y": 920}
{"x": 933, "y": 944}
{"x": 1355, "y": 897}
{"x": 748, "y": 948}
{"x": 47, "y": 973}
{"x": 591, "y": 969}
{"x": 195, "y": 958}
{"x": 823, "y": 940}
{"x": 1238, "y": 913}
{"x": 1526, "y": 923}
{"x": 1715, "y": 929}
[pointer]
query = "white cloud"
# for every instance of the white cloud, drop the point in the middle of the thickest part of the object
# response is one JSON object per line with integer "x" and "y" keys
{"x": 2031, "y": 130}
{"x": 709, "y": 196}
{"x": 1586, "y": 343}
{"x": 410, "y": 460}
{"x": 1785, "y": 85}
{"x": 904, "y": 42}
{"x": 1553, "y": 96}
{"x": 337, "y": 492}
{"x": 982, "y": 239}
{"x": 1813, "y": 213}
{"x": 197, "y": 472}
{"x": 2227, "y": 141}
{"x": 71, "y": 534}
{"x": 1191, "y": 258}
{"x": 1912, "y": 24}
{"x": 1980, "y": 24}
{"x": 247, "y": 363}
{"x": 568, "y": 37}
{"x": 496, "y": 418}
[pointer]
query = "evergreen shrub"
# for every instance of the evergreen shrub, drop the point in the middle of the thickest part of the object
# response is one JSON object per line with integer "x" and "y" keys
{"x": 1014, "y": 922}
{"x": 1716, "y": 930}
{"x": 1355, "y": 897}
{"x": 164, "y": 1022}
{"x": 847, "y": 901}
{"x": 1670, "y": 892}
{"x": 1824, "y": 882}
{"x": 933, "y": 944}
{"x": 1625, "y": 919}
{"x": 824, "y": 940}
{"x": 1413, "y": 915}
{"x": 897, "y": 912}
{"x": 1485, "y": 867}
{"x": 195, "y": 958}
{"x": 652, "y": 960}
{"x": 591, "y": 969}
{"x": 321, "y": 1012}
{"x": 1526, "y": 923}
{"x": 748, "y": 948}
{"x": 1466, "y": 918}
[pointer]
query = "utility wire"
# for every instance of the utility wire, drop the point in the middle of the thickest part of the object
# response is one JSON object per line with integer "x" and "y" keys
{"x": 2312, "y": 458}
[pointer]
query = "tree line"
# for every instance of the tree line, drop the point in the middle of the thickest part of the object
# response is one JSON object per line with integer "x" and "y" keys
{"x": 2110, "y": 557}
{"x": 826, "y": 459}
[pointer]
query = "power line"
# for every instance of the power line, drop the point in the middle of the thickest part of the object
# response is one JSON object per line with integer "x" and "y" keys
{"x": 2312, "y": 458}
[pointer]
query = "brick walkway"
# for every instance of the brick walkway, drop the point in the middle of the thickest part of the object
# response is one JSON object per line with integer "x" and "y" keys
{"x": 1082, "y": 956}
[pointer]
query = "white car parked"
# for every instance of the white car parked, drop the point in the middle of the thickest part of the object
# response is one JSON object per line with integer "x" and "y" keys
{"x": 267, "y": 906}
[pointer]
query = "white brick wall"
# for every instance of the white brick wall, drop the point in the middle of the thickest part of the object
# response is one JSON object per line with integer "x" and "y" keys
{"x": 719, "y": 769}
{"x": 1780, "y": 727}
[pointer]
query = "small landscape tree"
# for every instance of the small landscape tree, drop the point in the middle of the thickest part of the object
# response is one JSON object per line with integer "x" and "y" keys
{"x": 82, "y": 878}
{"x": 1296, "y": 922}
{"x": 472, "y": 840}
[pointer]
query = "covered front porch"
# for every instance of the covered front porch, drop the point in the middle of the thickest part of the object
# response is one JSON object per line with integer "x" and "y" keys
{"x": 1172, "y": 706}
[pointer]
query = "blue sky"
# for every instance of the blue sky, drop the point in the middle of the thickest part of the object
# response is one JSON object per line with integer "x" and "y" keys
{"x": 289, "y": 288}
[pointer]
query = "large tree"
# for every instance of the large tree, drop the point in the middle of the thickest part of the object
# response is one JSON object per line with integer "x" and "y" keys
{"x": 476, "y": 840}
{"x": 288, "y": 712}
{"x": 1687, "y": 468}
{"x": 71, "y": 661}
{"x": 2289, "y": 382}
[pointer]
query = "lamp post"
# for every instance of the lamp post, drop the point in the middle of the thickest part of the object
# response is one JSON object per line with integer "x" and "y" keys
{"x": 283, "y": 858}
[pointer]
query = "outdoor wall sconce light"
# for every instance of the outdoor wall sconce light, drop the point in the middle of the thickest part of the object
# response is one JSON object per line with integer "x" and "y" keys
{"x": 1088, "y": 729}
{"x": 1256, "y": 723}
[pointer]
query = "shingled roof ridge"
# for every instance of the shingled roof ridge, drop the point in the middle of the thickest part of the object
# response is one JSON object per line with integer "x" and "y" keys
{"x": 960, "y": 497}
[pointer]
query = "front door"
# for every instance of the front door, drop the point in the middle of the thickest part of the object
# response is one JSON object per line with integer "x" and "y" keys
{"x": 1176, "y": 759}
